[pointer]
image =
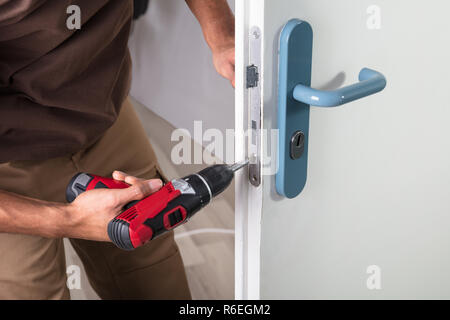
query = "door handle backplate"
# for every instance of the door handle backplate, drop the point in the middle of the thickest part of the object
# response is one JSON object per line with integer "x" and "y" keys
{"x": 295, "y": 96}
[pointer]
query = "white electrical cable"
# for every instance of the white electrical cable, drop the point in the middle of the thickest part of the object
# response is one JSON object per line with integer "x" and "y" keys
{"x": 203, "y": 230}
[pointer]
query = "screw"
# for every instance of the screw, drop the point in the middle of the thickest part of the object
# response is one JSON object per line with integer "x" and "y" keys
{"x": 256, "y": 34}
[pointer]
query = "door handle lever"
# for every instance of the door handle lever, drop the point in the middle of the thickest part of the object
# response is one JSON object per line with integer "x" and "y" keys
{"x": 370, "y": 82}
{"x": 295, "y": 96}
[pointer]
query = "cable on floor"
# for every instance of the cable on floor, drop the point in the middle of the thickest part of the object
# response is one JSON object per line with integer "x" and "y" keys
{"x": 203, "y": 230}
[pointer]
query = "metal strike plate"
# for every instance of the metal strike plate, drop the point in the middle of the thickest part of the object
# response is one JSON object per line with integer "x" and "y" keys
{"x": 254, "y": 86}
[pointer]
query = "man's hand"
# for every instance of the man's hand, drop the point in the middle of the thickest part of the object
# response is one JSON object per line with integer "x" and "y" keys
{"x": 92, "y": 210}
{"x": 217, "y": 22}
{"x": 85, "y": 218}
{"x": 223, "y": 59}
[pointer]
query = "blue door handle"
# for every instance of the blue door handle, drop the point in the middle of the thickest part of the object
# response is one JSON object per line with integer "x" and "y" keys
{"x": 295, "y": 96}
{"x": 370, "y": 82}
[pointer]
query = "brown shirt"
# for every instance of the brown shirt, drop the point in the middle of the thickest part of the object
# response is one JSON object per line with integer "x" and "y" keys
{"x": 60, "y": 89}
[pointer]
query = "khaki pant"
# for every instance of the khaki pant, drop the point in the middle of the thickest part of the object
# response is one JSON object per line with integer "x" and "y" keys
{"x": 33, "y": 267}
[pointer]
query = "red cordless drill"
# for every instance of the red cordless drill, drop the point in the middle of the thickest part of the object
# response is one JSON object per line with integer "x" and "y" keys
{"x": 171, "y": 206}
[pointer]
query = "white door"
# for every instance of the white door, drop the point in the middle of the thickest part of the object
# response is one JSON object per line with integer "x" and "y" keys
{"x": 373, "y": 220}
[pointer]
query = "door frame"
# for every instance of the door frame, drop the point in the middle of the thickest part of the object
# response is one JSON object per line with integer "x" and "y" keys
{"x": 248, "y": 200}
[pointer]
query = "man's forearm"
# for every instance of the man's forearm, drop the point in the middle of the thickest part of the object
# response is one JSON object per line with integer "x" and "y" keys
{"x": 19, "y": 214}
{"x": 85, "y": 218}
{"x": 217, "y": 21}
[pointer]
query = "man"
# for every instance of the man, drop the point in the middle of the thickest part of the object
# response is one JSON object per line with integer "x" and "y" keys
{"x": 63, "y": 109}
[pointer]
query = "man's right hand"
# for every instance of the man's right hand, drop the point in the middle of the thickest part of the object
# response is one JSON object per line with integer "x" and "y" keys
{"x": 85, "y": 218}
{"x": 92, "y": 210}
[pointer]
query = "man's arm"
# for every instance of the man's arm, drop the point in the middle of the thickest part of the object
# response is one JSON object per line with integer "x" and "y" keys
{"x": 217, "y": 22}
{"x": 20, "y": 214}
{"x": 86, "y": 218}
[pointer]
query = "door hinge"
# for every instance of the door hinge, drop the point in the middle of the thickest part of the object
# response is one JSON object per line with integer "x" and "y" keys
{"x": 252, "y": 76}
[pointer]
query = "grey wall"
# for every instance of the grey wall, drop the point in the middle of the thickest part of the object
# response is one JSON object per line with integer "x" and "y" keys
{"x": 173, "y": 73}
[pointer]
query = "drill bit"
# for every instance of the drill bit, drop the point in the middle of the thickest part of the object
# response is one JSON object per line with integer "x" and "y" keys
{"x": 238, "y": 165}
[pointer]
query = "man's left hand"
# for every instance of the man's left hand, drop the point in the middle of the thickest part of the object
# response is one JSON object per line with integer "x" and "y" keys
{"x": 223, "y": 59}
{"x": 217, "y": 22}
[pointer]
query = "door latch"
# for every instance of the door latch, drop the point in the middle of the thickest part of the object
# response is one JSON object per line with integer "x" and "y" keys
{"x": 252, "y": 76}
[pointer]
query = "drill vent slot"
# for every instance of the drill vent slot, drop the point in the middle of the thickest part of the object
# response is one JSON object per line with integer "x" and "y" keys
{"x": 129, "y": 214}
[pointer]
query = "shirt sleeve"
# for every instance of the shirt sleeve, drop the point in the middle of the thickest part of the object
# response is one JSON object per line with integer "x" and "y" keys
{"x": 12, "y": 11}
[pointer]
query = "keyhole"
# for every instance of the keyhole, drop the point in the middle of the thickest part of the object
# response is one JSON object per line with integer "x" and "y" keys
{"x": 297, "y": 145}
{"x": 299, "y": 141}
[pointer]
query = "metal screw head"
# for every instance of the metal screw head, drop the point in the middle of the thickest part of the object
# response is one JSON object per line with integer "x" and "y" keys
{"x": 255, "y": 33}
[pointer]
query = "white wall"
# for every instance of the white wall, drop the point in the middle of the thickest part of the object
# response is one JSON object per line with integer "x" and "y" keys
{"x": 173, "y": 73}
